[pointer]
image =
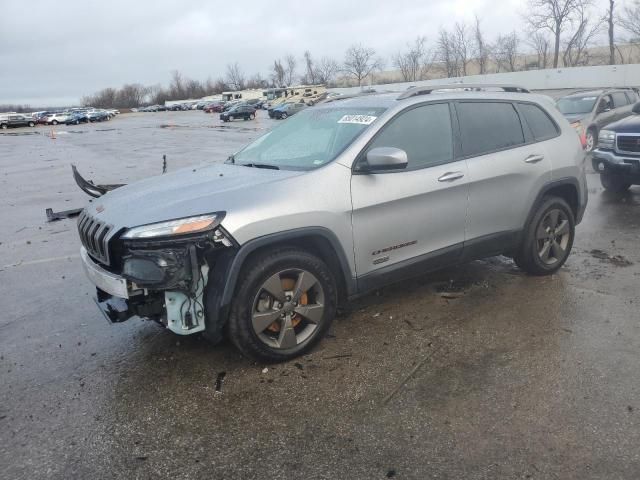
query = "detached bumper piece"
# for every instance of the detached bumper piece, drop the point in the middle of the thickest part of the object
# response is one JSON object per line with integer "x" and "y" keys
{"x": 118, "y": 310}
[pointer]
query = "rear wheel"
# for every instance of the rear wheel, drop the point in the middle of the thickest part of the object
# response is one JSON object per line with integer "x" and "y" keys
{"x": 252, "y": 116}
{"x": 285, "y": 303}
{"x": 284, "y": 115}
{"x": 548, "y": 238}
{"x": 614, "y": 183}
{"x": 32, "y": 124}
{"x": 591, "y": 140}
{"x": 231, "y": 118}
{"x": 55, "y": 122}
{"x": 4, "y": 126}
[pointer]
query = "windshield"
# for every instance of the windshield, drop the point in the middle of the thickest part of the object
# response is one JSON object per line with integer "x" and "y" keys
{"x": 310, "y": 139}
{"x": 576, "y": 105}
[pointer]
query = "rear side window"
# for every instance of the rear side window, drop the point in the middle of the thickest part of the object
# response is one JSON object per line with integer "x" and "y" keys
{"x": 631, "y": 97}
{"x": 619, "y": 99}
{"x": 488, "y": 127}
{"x": 423, "y": 132}
{"x": 542, "y": 127}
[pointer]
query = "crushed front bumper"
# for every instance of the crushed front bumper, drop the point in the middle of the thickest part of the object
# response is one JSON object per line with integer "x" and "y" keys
{"x": 106, "y": 281}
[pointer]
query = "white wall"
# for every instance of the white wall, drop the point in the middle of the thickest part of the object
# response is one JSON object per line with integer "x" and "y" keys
{"x": 550, "y": 79}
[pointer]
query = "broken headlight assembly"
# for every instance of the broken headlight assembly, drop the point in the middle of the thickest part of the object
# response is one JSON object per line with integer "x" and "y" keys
{"x": 181, "y": 226}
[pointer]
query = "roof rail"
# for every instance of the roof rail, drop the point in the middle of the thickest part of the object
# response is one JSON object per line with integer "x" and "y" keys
{"x": 470, "y": 87}
{"x": 346, "y": 96}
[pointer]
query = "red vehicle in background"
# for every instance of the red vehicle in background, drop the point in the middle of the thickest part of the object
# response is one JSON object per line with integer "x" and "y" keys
{"x": 214, "y": 107}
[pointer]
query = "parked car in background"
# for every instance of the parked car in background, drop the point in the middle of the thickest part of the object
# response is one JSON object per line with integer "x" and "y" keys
{"x": 16, "y": 120}
{"x": 56, "y": 118}
{"x": 76, "y": 118}
{"x": 98, "y": 115}
{"x": 617, "y": 158}
{"x": 340, "y": 201}
{"x": 214, "y": 107}
{"x": 589, "y": 112}
{"x": 246, "y": 112}
{"x": 286, "y": 110}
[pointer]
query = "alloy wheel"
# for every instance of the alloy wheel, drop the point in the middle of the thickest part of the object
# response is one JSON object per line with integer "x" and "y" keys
{"x": 288, "y": 309}
{"x": 552, "y": 237}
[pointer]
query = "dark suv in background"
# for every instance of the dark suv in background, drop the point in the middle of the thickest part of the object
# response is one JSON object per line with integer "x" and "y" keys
{"x": 617, "y": 157}
{"x": 246, "y": 112}
{"x": 589, "y": 112}
{"x": 16, "y": 120}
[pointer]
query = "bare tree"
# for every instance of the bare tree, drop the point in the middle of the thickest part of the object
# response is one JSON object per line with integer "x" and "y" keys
{"x": 415, "y": 62}
{"x": 176, "y": 85}
{"x": 553, "y": 15}
{"x": 310, "y": 70}
{"x": 278, "y": 73}
{"x": 235, "y": 76}
{"x": 360, "y": 62}
{"x": 290, "y": 69}
{"x": 326, "y": 70}
{"x": 541, "y": 45}
{"x": 630, "y": 19}
{"x": 611, "y": 22}
{"x": 506, "y": 52}
{"x": 576, "y": 47}
{"x": 446, "y": 53}
{"x": 462, "y": 45}
{"x": 481, "y": 50}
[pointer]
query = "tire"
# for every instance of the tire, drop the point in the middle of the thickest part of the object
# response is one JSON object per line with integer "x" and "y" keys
{"x": 231, "y": 118}
{"x": 31, "y": 124}
{"x": 548, "y": 238}
{"x": 252, "y": 117}
{"x": 614, "y": 183}
{"x": 4, "y": 126}
{"x": 55, "y": 122}
{"x": 591, "y": 140}
{"x": 282, "y": 331}
{"x": 284, "y": 116}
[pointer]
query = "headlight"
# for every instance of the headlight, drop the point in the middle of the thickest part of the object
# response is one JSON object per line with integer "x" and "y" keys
{"x": 606, "y": 138}
{"x": 181, "y": 226}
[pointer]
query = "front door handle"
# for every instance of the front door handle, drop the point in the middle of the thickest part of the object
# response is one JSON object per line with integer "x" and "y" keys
{"x": 451, "y": 176}
{"x": 534, "y": 159}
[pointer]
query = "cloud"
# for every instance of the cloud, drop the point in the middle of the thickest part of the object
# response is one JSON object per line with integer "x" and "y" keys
{"x": 55, "y": 52}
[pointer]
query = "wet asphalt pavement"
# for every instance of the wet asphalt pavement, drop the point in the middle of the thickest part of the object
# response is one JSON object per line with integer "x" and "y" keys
{"x": 476, "y": 372}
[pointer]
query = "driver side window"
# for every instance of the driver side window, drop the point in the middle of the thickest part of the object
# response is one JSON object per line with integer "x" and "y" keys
{"x": 424, "y": 133}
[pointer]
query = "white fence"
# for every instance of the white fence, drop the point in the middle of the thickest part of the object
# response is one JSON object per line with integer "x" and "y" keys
{"x": 550, "y": 79}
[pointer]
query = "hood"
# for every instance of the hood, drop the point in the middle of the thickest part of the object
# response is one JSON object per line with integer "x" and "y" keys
{"x": 629, "y": 124}
{"x": 184, "y": 193}
{"x": 575, "y": 117}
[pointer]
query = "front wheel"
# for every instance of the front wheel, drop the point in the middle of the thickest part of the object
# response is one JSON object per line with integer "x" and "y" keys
{"x": 4, "y": 126}
{"x": 252, "y": 117}
{"x": 231, "y": 118}
{"x": 31, "y": 124}
{"x": 284, "y": 304}
{"x": 614, "y": 183}
{"x": 284, "y": 115}
{"x": 548, "y": 238}
{"x": 55, "y": 122}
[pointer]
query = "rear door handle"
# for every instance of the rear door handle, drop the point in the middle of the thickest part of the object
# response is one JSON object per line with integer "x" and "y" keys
{"x": 451, "y": 176}
{"x": 534, "y": 158}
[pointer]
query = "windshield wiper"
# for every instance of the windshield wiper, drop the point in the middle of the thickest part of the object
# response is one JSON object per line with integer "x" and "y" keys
{"x": 260, "y": 165}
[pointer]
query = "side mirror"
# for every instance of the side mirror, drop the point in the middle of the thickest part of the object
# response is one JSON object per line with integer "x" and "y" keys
{"x": 386, "y": 158}
{"x": 636, "y": 108}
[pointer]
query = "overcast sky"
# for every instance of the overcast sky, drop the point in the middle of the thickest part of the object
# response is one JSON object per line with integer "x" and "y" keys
{"x": 53, "y": 52}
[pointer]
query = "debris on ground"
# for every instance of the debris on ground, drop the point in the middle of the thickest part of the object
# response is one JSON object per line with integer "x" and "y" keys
{"x": 53, "y": 216}
{"x": 617, "y": 260}
{"x": 220, "y": 381}
{"x": 265, "y": 370}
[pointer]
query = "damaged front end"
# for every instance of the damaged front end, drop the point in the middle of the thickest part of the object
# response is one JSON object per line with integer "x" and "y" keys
{"x": 158, "y": 271}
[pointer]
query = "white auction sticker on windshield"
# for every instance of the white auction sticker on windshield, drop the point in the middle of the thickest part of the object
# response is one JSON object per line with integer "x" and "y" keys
{"x": 359, "y": 119}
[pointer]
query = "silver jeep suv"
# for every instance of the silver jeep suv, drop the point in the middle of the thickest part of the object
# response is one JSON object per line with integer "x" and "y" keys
{"x": 341, "y": 199}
